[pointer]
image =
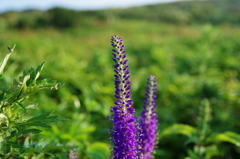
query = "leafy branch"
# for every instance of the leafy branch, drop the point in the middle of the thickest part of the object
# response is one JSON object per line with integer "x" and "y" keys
{"x": 14, "y": 128}
{"x": 200, "y": 136}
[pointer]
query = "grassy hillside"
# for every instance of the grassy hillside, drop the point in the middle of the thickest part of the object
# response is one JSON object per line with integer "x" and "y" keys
{"x": 188, "y": 12}
{"x": 183, "y": 12}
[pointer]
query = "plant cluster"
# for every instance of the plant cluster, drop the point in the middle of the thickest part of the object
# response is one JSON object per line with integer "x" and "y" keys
{"x": 15, "y": 124}
{"x": 131, "y": 136}
{"x": 128, "y": 142}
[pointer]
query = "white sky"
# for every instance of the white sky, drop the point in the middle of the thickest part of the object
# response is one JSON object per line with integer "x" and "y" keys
{"x": 18, "y": 5}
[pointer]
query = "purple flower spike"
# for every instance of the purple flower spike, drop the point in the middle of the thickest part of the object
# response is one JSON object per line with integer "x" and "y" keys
{"x": 123, "y": 133}
{"x": 148, "y": 124}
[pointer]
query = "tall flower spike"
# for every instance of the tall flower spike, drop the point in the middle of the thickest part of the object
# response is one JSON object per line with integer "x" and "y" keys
{"x": 123, "y": 133}
{"x": 148, "y": 124}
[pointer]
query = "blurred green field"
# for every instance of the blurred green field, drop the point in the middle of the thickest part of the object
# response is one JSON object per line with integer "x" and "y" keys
{"x": 191, "y": 62}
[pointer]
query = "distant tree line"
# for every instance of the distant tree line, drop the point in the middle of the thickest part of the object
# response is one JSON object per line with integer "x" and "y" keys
{"x": 186, "y": 12}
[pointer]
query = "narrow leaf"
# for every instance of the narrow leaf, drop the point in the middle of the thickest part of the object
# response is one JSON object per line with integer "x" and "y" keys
{"x": 227, "y": 136}
{"x": 178, "y": 129}
{"x": 4, "y": 62}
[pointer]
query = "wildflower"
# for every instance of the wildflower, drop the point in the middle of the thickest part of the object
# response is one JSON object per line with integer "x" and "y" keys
{"x": 123, "y": 133}
{"x": 148, "y": 124}
{"x": 72, "y": 154}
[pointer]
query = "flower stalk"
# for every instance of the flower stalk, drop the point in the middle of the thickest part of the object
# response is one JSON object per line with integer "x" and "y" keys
{"x": 123, "y": 133}
{"x": 148, "y": 124}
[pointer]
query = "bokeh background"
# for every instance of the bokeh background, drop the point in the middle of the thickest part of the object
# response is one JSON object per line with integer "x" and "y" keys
{"x": 193, "y": 47}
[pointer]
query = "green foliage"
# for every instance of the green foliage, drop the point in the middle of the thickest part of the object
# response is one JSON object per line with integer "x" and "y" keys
{"x": 14, "y": 128}
{"x": 191, "y": 62}
{"x": 37, "y": 121}
{"x": 204, "y": 140}
{"x": 203, "y": 120}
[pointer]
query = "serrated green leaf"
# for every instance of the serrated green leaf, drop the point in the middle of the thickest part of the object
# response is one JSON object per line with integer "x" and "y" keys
{"x": 40, "y": 117}
{"x": 42, "y": 147}
{"x": 46, "y": 84}
{"x": 28, "y": 131}
{"x": 32, "y": 150}
{"x": 178, "y": 129}
{"x": 34, "y": 74}
{"x": 35, "y": 123}
{"x": 27, "y": 85}
{"x": 6, "y": 146}
{"x": 21, "y": 105}
{"x": 38, "y": 121}
{"x": 11, "y": 132}
{"x": 15, "y": 144}
{"x": 54, "y": 147}
{"x": 46, "y": 118}
{"x": 11, "y": 95}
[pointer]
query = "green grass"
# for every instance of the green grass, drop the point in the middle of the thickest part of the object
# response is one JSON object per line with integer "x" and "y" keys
{"x": 191, "y": 63}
